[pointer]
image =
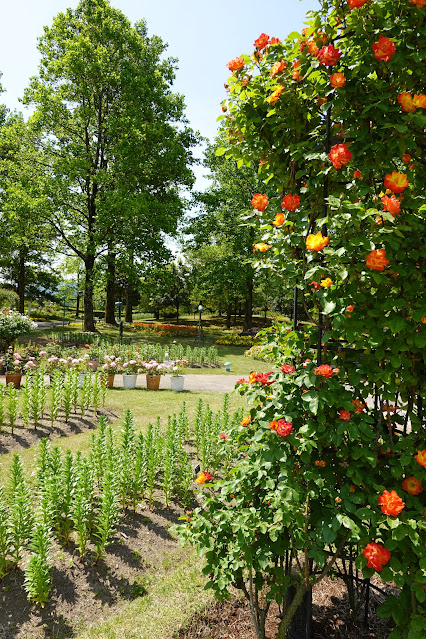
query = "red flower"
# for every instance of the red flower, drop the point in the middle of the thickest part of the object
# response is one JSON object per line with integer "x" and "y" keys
{"x": 337, "y": 80}
{"x": 316, "y": 286}
{"x": 274, "y": 41}
{"x": 284, "y": 428}
{"x": 245, "y": 421}
{"x": 406, "y": 101}
{"x": 261, "y": 42}
{"x": 420, "y": 101}
{"x": 285, "y": 368}
{"x": 236, "y": 64}
{"x": 259, "y": 201}
{"x": 357, "y": 175}
{"x": 390, "y": 503}
{"x": 241, "y": 381}
{"x": 376, "y": 260}
{"x": 203, "y": 477}
{"x": 419, "y": 3}
{"x": 320, "y": 463}
{"x": 296, "y": 71}
{"x": 339, "y": 155}
{"x": 290, "y": 202}
{"x": 324, "y": 370}
{"x": 412, "y": 486}
{"x": 356, "y": 4}
{"x": 406, "y": 158}
{"x": 329, "y": 55}
{"x": 391, "y": 204}
{"x": 384, "y": 49}
{"x": 421, "y": 457}
{"x": 345, "y": 415}
{"x": 278, "y": 67}
{"x": 350, "y": 308}
{"x": 377, "y": 556}
{"x": 358, "y": 405}
{"x": 261, "y": 378}
{"x": 223, "y": 436}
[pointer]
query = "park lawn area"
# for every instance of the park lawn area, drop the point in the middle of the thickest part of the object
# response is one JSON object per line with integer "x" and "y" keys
{"x": 241, "y": 365}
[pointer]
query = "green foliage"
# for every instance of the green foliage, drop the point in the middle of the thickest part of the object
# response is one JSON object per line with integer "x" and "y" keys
{"x": 37, "y": 574}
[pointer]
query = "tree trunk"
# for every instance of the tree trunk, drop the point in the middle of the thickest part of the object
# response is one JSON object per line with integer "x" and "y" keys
{"x": 177, "y": 311}
{"x": 265, "y": 310}
{"x": 248, "y": 310}
{"x": 110, "y": 286}
{"x": 219, "y": 310}
{"x": 89, "y": 324}
{"x": 21, "y": 281}
{"x": 129, "y": 303}
{"x": 228, "y": 316}
{"x": 156, "y": 313}
{"x": 235, "y": 312}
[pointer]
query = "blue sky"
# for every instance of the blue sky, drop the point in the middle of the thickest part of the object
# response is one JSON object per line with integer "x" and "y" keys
{"x": 204, "y": 36}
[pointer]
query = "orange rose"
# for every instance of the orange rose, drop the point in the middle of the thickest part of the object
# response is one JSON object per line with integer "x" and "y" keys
{"x": 406, "y": 101}
{"x": 421, "y": 457}
{"x": 358, "y": 405}
{"x": 275, "y": 95}
{"x": 278, "y": 67}
{"x": 384, "y": 49}
{"x": 273, "y": 425}
{"x": 377, "y": 556}
{"x": 412, "y": 486}
{"x": 337, "y": 80}
{"x": 419, "y": 101}
{"x": 312, "y": 47}
{"x": 261, "y": 247}
{"x": 376, "y": 260}
{"x": 259, "y": 201}
{"x": 391, "y": 204}
{"x": 357, "y": 175}
{"x": 274, "y": 41}
{"x": 245, "y": 421}
{"x": 296, "y": 71}
{"x": 324, "y": 370}
{"x": 290, "y": 202}
{"x": 390, "y": 503}
{"x": 419, "y": 3}
{"x": 345, "y": 415}
{"x": 406, "y": 158}
{"x": 236, "y": 64}
{"x": 395, "y": 181}
{"x": 261, "y": 41}
{"x": 326, "y": 283}
{"x": 329, "y": 55}
{"x": 279, "y": 219}
{"x": 350, "y": 308}
{"x": 339, "y": 155}
{"x": 316, "y": 242}
{"x": 203, "y": 477}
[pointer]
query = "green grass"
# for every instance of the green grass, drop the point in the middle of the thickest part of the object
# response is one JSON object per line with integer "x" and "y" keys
{"x": 170, "y": 603}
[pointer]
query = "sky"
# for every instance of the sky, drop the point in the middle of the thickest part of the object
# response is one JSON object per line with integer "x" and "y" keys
{"x": 204, "y": 36}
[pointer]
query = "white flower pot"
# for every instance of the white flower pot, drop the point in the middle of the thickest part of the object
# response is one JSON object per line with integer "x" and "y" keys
{"x": 129, "y": 380}
{"x": 177, "y": 382}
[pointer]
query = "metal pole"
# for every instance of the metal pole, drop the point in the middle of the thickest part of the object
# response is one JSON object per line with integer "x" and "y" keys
{"x": 63, "y": 323}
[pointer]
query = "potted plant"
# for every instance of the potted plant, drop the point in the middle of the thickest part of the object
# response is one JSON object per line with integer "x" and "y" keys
{"x": 15, "y": 365}
{"x": 154, "y": 370}
{"x": 177, "y": 378}
{"x": 109, "y": 368}
{"x": 130, "y": 373}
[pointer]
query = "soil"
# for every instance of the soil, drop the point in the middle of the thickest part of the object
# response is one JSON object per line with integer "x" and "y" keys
{"x": 331, "y": 620}
{"x": 25, "y": 437}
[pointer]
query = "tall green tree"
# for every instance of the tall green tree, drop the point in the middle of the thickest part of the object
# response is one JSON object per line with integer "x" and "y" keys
{"x": 114, "y": 135}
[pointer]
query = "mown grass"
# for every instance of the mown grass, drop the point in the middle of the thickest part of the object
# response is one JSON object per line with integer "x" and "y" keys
{"x": 170, "y": 603}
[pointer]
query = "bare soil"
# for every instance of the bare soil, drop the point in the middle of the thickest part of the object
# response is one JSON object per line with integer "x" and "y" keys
{"x": 25, "y": 437}
{"x": 331, "y": 619}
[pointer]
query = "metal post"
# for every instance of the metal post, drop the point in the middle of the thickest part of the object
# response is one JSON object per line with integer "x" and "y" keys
{"x": 77, "y": 308}
{"x": 63, "y": 322}
{"x": 120, "y": 323}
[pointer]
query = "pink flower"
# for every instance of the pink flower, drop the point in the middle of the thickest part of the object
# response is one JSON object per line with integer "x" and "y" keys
{"x": 223, "y": 436}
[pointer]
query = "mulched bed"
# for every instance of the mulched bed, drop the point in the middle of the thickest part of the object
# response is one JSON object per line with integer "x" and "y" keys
{"x": 331, "y": 620}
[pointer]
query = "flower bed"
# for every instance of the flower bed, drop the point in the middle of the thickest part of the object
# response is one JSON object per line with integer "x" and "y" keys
{"x": 165, "y": 330}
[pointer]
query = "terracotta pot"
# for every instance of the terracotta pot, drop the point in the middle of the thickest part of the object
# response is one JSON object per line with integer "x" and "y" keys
{"x": 14, "y": 378}
{"x": 153, "y": 382}
{"x": 110, "y": 380}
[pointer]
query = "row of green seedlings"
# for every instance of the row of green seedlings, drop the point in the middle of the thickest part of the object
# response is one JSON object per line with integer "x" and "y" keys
{"x": 87, "y": 338}
{"x": 83, "y": 497}
{"x": 197, "y": 355}
{"x": 68, "y": 392}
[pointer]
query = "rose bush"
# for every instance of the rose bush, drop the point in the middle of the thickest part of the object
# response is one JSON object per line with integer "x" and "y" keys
{"x": 294, "y": 504}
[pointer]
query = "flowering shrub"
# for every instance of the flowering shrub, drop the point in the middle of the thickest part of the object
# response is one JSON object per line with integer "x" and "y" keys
{"x": 12, "y": 326}
{"x": 337, "y": 483}
{"x": 238, "y": 340}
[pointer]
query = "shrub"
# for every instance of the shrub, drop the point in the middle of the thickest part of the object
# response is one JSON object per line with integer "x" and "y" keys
{"x": 12, "y": 326}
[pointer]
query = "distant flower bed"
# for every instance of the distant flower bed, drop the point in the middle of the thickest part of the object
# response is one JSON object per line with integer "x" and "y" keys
{"x": 237, "y": 340}
{"x": 167, "y": 330}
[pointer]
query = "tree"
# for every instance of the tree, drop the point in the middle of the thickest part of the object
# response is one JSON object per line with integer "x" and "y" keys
{"x": 108, "y": 121}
